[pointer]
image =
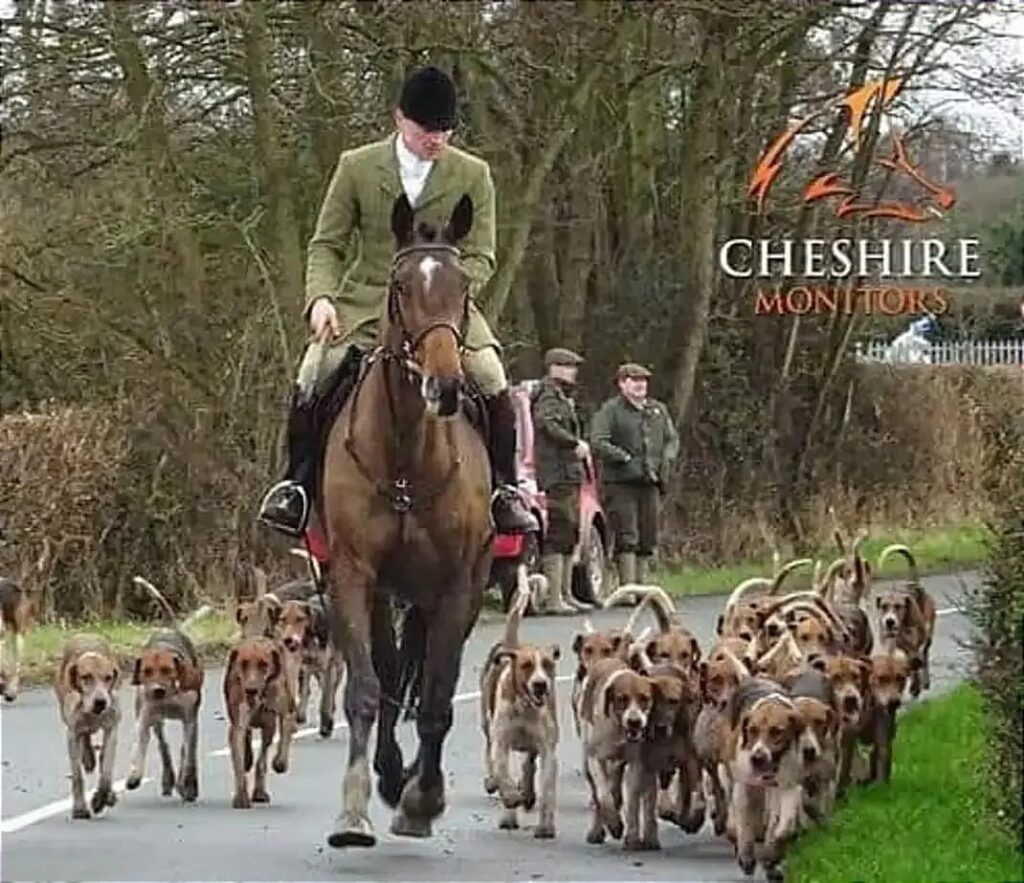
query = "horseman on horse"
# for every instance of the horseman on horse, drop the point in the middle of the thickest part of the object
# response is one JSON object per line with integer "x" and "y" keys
{"x": 346, "y": 298}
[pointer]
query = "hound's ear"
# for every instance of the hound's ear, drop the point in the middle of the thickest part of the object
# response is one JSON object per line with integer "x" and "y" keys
{"x": 273, "y": 612}
{"x": 609, "y": 698}
{"x": 402, "y": 221}
{"x": 232, "y": 659}
{"x": 694, "y": 651}
{"x": 796, "y": 723}
{"x": 577, "y": 643}
{"x": 188, "y": 676}
{"x": 137, "y": 672}
{"x": 915, "y": 663}
{"x": 556, "y": 652}
{"x": 275, "y": 656}
{"x": 503, "y": 656}
{"x": 241, "y": 614}
{"x": 117, "y": 678}
{"x": 719, "y": 625}
{"x": 461, "y": 220}
{"x": 73, "y": 677}
{"x": 616, "y": 642}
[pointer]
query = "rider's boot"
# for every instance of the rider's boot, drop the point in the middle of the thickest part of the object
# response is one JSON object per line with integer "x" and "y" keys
{"x": 287, "y": 504}
{"x": 511, "y": 516}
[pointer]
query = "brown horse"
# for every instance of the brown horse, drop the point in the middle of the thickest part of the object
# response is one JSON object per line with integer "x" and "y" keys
{"x": 405, "y": 503}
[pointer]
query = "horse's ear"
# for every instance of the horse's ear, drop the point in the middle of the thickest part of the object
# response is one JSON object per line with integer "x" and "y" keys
{"x": 461, "y": 220}
{"x": 402, "y": 221}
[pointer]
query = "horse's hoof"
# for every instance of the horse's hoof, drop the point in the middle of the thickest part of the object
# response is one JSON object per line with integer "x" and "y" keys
{"x": 529, "y": 800}
{"x": 693, "y": 823}
{"x": 405, "y": 826}
{"x": 300, "y": 718}
{"x": 260, "y": 795}
{"x": 490, "y": 784}
{"x": 133, "y": 781}
{"x": 616, "y": 829}
{"x": 326, "y": 726}
{"x": 544, "y": 832}
{"x": 10, "y": 695}
{"x": 81, "y": 812}
{"x": 596, "y": 835}
{"x": 241, "y": 801}
{"x": 101, "y": 798}
{"x": 509, "y": 822}
{"x": 280, "y": 765}
{"x": 167, "y": 786}
{"x": 351, "y": 837}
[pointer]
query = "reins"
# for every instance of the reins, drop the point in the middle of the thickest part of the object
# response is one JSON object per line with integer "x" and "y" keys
{"x": 398, "y": 491}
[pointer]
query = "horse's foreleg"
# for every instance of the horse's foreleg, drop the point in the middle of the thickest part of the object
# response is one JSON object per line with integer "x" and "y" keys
{"x": 387, "y": 761}
{"x": 423, "y": 797}
{"x": 352, "y": 602}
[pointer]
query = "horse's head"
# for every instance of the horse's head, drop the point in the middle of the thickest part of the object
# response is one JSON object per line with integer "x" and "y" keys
{"x": 428, "y": 299}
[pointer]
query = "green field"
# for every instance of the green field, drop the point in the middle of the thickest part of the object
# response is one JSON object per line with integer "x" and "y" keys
{"x": 931, "y": 822}
{"x": 937, "y": 551}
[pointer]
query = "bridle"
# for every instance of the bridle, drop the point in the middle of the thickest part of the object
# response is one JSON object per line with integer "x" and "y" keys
{"x": 411, "y": 341}
{"x": 397, "y": 491}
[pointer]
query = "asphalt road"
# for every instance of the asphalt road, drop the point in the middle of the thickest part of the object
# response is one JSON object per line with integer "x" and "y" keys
{"x": 148, "y": 837}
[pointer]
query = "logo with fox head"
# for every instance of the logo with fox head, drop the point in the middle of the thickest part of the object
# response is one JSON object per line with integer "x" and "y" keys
{"x": 933, "y": 199}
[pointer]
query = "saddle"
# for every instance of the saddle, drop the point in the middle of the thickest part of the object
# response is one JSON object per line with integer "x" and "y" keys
{"x": 340, "y": 384}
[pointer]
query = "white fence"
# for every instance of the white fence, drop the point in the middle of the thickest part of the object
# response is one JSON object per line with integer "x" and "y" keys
{"x": 947, "y": 352}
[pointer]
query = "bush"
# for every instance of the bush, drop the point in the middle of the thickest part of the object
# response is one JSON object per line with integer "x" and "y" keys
{"x": 997, "y": 611}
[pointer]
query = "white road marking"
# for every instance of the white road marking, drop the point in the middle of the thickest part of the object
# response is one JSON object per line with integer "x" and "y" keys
{"x": 945, "y": 611}
{"x": 42, "y": 813}
{"x": 10, "y": 826}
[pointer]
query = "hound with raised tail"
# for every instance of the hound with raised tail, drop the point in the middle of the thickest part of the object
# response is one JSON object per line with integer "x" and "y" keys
{"x": 169, "y": 680}
{"x": 518, "y": 712}
{"x": 906, "y": 620}
{"x": 765, "y": 767}
{"x": 615, "y": 710}
{"x": 86, "y": 684}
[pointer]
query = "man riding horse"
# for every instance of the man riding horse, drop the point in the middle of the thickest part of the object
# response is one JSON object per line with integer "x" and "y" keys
{"x": 346, "y": 298}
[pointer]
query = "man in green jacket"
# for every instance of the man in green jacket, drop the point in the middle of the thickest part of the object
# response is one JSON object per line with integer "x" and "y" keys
{"x": 347, "y": 271}
{"x": 637, "y": 443}
{"x": 560, "y": 451}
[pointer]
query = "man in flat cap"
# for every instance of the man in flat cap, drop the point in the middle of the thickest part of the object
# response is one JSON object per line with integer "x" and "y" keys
{"x": 637, "y": 443}
{"x": 347, "y": 270}
{"x": 560, "y": 451}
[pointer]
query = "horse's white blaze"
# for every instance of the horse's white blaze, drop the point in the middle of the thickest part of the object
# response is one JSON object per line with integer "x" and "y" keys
{"x": 427, "y": 267}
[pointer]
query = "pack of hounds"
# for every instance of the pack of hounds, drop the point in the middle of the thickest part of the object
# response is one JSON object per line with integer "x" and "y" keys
{"x": 759, "y": 734}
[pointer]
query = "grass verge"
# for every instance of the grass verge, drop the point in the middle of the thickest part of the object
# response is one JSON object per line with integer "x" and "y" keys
{"x": 959, "y": 547}
{"x": 937, "y": 551}
{"x": 932, "y": 821}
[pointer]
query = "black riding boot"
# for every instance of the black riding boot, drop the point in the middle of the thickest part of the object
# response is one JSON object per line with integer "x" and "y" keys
{"x": 510, "y": 513}
{"x": 287, "y": 504}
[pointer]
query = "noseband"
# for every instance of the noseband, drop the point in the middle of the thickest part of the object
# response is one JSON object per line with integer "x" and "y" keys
{"x": 411, "y": 339}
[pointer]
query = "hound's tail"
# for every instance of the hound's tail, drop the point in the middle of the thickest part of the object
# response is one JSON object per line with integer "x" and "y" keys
{"x": 165, "y": 608}
{"x": 517, "y": 609}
